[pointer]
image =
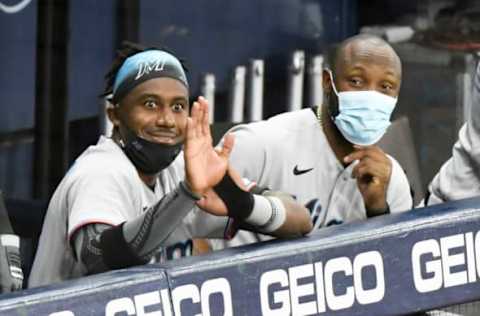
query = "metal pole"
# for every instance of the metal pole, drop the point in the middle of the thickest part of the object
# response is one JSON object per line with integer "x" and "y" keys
{"x": 51, "y": 99}
{"x": 128, "y": 13}
{"x": 255, "y": 95}
{"x": 315, "y": 68}
{"x": 296, "y": 71}
{"x": 237, "y": 95}
{"x": 208, "y": 91}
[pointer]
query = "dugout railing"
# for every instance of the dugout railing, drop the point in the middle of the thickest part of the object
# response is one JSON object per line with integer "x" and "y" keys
{"x": 391, "y": 265}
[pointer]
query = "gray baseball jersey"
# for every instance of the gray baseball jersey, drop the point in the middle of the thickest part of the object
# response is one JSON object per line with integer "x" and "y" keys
{"x": 103, "y": 186}
{"x": 290, "y": 153}
{"x": 459, "y": 177}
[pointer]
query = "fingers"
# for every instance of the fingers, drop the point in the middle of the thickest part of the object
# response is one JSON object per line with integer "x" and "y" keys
{"x": 360, "y": 152}
{"x": 199, "y": 119}
{"x": 227, "y": 147}
{"x": 364, "y": 173}
{"x": 193, "y": 121}
{"x": 205, "y": 118}
{"x": 237, "y": 178}
{"x": 372, "y": 171}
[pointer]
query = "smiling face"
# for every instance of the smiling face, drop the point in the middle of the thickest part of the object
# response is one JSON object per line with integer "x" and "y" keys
{"x": 155, "y": 110}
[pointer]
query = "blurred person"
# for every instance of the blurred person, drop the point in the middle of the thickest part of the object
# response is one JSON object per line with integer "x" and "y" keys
{"x": 459, "y": 176}
{"x": 132, "y": 198}
{"x": 326, "y": 156}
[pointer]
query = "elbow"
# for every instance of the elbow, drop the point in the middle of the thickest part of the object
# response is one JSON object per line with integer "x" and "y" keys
{"x": 307, "y": 227}
{"x": 303, "y": 227}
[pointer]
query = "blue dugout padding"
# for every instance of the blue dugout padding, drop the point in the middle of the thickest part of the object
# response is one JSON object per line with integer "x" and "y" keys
{"x": 390, "y": 265}
{"x": 112, "y": 293}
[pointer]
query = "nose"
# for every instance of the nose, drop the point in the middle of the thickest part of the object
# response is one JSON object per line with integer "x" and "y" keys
{"x": 165, "y": 117}
{"x": 373, "y": 87}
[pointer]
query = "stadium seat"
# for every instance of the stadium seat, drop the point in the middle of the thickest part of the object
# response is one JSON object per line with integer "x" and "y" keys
{"x": 26, "y": 217}
{"x": 398, "y": 142}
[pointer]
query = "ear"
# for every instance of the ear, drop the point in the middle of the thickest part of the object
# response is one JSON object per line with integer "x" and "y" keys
{"x": 326, "y": 81}
{"x": 112, "y": 114}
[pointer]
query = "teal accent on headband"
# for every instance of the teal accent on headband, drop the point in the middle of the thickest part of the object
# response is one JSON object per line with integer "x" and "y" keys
{"x": 145, "y": 66}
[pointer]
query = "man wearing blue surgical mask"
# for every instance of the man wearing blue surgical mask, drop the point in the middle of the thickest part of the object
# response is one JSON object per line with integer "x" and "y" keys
{"x": 361, "y": 90}
{"x": 326, "y": 155}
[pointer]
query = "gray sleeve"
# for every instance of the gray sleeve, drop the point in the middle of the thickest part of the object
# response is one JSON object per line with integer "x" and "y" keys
{"x": 86, "y": 242}
{"x": 474, "y": 119}
{"x": 146, "y": 233}
{"x": 201, "y": 224}
{"x": 459, "y": 177}
{"x": 103, "y": 247}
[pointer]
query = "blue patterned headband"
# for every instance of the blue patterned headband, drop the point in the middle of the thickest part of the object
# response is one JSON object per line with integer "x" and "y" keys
{"x": 145, "y": 66}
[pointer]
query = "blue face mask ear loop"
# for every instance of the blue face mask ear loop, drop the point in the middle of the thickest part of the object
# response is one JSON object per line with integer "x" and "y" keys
{"x": 333, "y": 115}
{"x": 331, "y": 80}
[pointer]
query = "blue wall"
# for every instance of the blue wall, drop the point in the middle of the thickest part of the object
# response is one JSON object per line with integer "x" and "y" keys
{"x": 91, "y": 52}
{"x": 17, "y": 94}
{"x": 17, "y": 64}
{"x": 213, "y": 35}
{"x": 216, "y": 35}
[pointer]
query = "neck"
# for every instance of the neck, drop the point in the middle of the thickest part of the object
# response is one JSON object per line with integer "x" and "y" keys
{"x": 340, "y": 146}
{"x": 148, "y": 179}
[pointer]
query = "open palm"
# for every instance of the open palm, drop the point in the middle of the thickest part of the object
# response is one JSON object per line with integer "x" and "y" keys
{"x": 204, "y": 166}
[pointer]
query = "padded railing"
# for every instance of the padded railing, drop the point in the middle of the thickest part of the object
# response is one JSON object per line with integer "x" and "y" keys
{"x": 390, "y": 265}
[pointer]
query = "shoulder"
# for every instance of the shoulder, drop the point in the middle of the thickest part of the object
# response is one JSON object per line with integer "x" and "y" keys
{"x": 277, "y": 127}
{"x": 399, "y": 192}
{"x": 105, "y": 159}
{"x": 398, "y": 175}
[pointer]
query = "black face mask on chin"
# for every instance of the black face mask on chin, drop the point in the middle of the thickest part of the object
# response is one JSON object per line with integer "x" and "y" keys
{"x": 148, "y": 157}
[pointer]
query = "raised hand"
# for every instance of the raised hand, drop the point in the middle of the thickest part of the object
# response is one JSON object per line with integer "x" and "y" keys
{"x": 372, "y": 172}
{"x": 204, "y": 166}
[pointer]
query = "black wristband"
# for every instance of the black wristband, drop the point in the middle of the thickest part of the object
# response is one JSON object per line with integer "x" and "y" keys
{"x": 116, "y": 253}
{"x": 239, "y": 203}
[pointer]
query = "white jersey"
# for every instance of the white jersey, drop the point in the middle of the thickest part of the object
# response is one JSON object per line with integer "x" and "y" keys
{"x": 103, "y": 186}
{"x": 459, "y": 177}
{"x": 290, "y": 153}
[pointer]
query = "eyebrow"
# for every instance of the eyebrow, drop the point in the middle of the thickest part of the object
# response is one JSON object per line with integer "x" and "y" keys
{"x": 390, "y": 71}
{"x": 157, "y": 96}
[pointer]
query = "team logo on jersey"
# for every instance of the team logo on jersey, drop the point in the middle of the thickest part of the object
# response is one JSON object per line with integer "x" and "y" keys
{"x": 334, "y": 222}
{"x": 315, "y": 209}
{"x": 316, "y": 214}
{"x": 298, "y": 172}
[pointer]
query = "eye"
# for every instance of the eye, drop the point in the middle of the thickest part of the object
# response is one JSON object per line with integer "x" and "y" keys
{"x": 386, "y": 86}
{"x": 178, "y": 107}
{"x": 355, "y": 81}
{"x": 151, "y": 104}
